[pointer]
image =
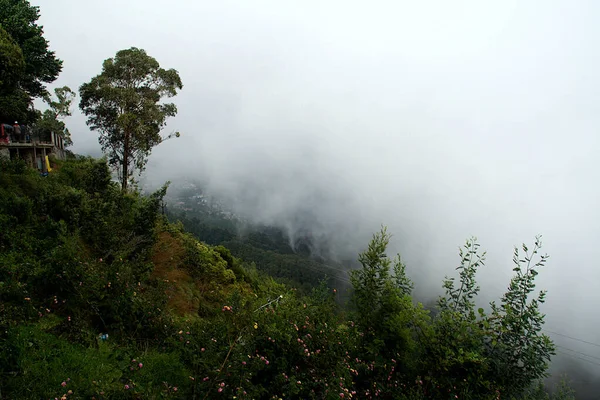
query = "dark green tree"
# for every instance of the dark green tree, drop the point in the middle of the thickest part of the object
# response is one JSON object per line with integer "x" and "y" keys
{"x": 19, "y": 18}
{"x": 385, "y": 313}
{"x": 123, "y": 104}
{"x": 369, "y": 281}
{"x": 454, "y": 350}
{"x": 12, "y": 63}
{"x": 14, "y": 102}
{"x": 519, "y": 350}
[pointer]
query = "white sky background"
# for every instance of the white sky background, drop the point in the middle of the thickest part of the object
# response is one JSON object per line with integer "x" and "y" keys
{"x": 440, "y": 119}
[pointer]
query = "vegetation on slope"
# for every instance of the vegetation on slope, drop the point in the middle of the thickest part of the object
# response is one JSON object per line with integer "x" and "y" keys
{"x": 101, "y": 297}
{"x": 266, "y": 247}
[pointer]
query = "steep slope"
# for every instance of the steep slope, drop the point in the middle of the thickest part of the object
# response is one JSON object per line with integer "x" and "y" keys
{"x": 101, "y": 297}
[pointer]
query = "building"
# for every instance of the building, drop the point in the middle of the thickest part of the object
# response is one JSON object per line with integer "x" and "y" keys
{"x": 17, "y": 142}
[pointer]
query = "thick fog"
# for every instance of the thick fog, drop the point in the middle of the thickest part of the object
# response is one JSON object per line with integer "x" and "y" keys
{"x": 439, "y": 119}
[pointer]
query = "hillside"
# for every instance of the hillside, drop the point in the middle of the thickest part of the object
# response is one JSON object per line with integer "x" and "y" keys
{"x": 268, "y": 247}
{"x": 102, "y": 297}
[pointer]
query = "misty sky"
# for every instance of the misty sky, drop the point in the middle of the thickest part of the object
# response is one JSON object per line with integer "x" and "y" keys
{"x": 439, "y": 119}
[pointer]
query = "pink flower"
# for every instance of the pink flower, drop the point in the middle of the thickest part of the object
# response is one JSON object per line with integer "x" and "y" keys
{"x": 126, "y": 387}
{"x": 140, "y": 365}
{"x": 202, "y": 349}
{"x": 63, "y": 384}
{"x": 342, "y": 395}
{"x": 220, "y": 390}
{"x": 174, "y": 388}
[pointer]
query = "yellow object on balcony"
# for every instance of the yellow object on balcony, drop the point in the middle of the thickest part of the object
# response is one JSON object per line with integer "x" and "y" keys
{"x": 48, "y": 165}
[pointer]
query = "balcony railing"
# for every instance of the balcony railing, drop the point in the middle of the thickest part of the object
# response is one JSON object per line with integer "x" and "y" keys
{"x": 26, "y": 138}
{"x": 10, "y": 136}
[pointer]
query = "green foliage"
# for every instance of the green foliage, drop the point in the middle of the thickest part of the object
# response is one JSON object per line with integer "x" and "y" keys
{"x": 459, "y": 352}
{"x": 19, "y": 18}
{"x": 461, "y": 299}
{"x": 69, "y": 243}
{"x": 370, "y": 281}
{"x": 295, "y": 270}
{"x": 80, "y": 258}
{"x": 15, "y": 106}
{"x": 74, "y": 263}
{"x": 62, "y": 105}
{"x": 52, "y": 119}
{"x": 384, "y": 308}
{"x": 48, "y": 366}
{"x": 12, "y": 63}
{"x": 563, "y": 391}
{"x": 267, "y": 247}
{"x": 13, "y": 100}
{"x": 520, "y": 351}
{"x": 122, "y": 103}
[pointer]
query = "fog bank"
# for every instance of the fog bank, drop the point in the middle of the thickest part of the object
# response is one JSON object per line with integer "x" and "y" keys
{"x": 441, "y": 120}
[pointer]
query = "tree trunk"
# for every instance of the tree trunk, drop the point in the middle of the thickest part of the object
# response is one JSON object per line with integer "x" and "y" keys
{"x": 125, "y": 171}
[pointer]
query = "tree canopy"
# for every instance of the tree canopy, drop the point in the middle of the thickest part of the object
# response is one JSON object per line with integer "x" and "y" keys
{"x": 12, "y": 62}
{"x": 14, "y": 102}
{"x": 19, "y": 19}
{"x": 52, "y": 119}
{"x": 123, "y": 104}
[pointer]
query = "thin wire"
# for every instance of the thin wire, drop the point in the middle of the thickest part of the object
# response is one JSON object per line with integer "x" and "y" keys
{"x": 578, "y": 352}
{"x": 579, "y": 358}
{"x": 573, "y": 338}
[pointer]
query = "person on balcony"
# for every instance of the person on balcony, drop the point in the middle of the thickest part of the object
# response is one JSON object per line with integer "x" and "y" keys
{"x": 16, "y": 132}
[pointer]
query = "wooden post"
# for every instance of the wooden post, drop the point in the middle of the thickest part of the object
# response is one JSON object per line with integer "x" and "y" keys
{"x": 44, "y": 160}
